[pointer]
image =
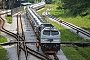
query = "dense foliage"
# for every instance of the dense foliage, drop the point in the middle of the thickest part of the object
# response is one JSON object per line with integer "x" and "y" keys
{"x": 75, "y": 7}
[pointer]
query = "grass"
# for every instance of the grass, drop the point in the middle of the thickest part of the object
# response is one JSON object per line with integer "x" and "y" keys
{"x": 51, "y": 6}
{"x": 3, "y": 52}
{"x": 71, "y": 53}
{"x": 85, "y": 52}
{"x": 2, "y": 39}
{"x": 9, "y": 19}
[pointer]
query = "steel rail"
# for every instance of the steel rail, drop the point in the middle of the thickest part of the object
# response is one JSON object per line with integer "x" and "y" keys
{"x": 21, "y": 33}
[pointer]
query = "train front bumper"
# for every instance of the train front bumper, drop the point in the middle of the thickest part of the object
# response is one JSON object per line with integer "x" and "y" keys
{"x": 50, "y": 47}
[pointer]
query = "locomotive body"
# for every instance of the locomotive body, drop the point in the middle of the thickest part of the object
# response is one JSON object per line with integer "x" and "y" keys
{"x": 48, "y": 35}
{"x": 50, "y": 40}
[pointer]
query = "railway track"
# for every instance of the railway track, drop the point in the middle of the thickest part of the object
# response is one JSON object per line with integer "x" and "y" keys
{"x": 24, "y": 47}
{"x": 79, "y": 30}
{"x": 2, "y": 21}
{"x": 20, "y": 37}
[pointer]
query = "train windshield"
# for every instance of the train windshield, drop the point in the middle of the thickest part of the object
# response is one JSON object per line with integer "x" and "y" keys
{"x": 46, "y": 32}
{"x": 50, "y": 32}
{"x": 54, "y": 32}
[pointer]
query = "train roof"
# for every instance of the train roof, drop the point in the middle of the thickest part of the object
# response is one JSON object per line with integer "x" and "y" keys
{"x": 47, "y": 25}
{"x": 50, "y": 29}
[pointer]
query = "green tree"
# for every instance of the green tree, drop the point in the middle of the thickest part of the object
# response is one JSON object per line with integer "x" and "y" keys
{"x": 76, "y": 6}
{"x": 59, "y": 3}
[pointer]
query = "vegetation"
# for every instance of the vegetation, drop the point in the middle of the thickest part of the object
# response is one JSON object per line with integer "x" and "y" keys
{"x": 9, "y": 19}
{"x": 76, "y": 53}
{"x": 2, "y": 39}
{"x": 3, "y": 52}
{"x": 47, "y": 6}
{"x": 85, "y": 52}
{"x": 51, "y": 6}
{"x": 74, "y": 7}
{"x": 71, "y": 53}
{"x": 82, "y": 53}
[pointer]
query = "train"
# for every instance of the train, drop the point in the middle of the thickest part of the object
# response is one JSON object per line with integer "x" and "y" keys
{"x": 47, "y": 34}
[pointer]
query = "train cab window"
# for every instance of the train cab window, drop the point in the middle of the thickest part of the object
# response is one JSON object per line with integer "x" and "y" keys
{"x": 46, "y": 32}
{"x": 54, "y": 32}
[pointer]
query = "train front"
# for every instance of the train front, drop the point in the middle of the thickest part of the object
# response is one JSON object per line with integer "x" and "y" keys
{"x": 50, "y": 40}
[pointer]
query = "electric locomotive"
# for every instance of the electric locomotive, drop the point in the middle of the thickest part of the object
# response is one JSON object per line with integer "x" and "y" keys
{"x": 48, "y": 35}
